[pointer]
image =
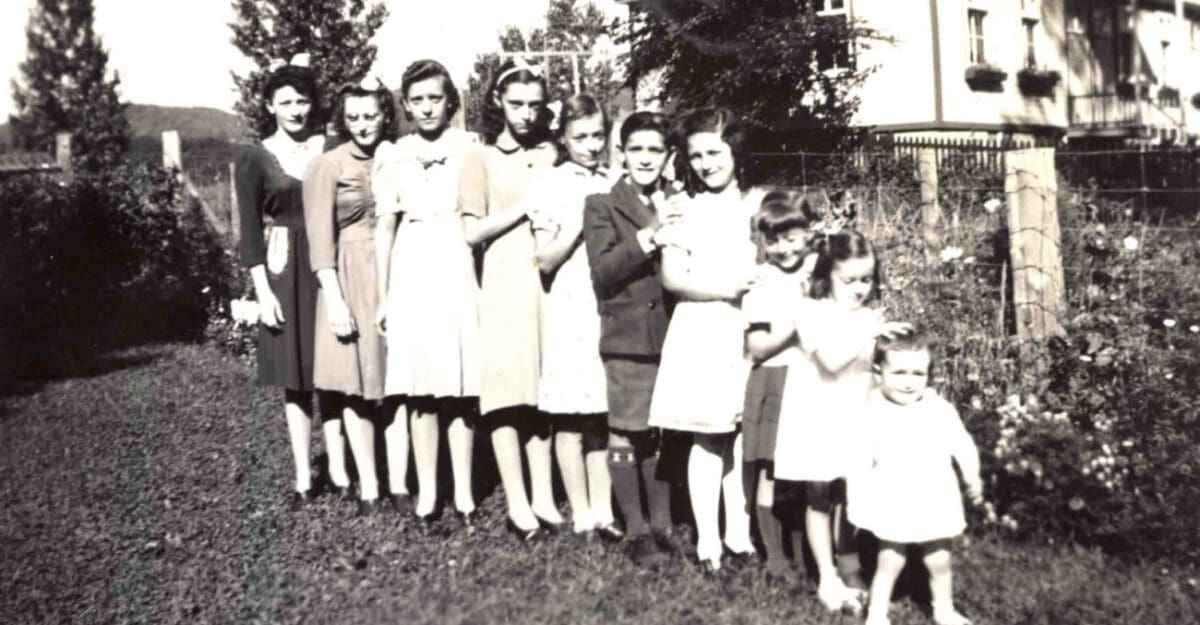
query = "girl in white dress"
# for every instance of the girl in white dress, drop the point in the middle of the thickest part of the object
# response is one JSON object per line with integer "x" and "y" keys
{"x": 708, "y": 264}
{"x": 572, "y": 388}
{"x": 820, "y": 440}
{"x": 429, "y": 296}
{"x": 910, "y": 496}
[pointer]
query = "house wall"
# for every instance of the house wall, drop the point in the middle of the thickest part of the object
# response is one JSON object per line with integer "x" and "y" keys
{"x": 910, "y": 75}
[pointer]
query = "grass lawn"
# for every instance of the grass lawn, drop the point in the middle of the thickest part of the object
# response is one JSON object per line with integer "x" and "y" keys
{"x": 153, "y": 493}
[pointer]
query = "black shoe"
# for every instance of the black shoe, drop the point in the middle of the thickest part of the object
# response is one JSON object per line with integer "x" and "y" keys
{"x": 645, "y": 551}
{"x": 464, "y": 522}
{"x": 672, "y": 542}
{"x": 783, "y": 577}
{"x": 610, "y": 533}
{"x": 550, "y": 526}
{"x": 341, "y": 493}
{"x": 428, "y": 524}
{"x": 524, "y": 535}
{"x": 368, "y": 507}
{"x": 737, "y": 561}
{"x": 402, "y": 504}
{"x": 711, "y": 569}
{"x": 299, "y": 499}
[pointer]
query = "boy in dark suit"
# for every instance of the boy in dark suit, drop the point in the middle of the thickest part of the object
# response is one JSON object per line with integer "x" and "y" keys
{"x": 621, "y": 232}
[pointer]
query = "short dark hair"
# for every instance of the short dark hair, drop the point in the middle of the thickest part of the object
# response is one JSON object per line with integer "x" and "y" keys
{"x": 387, "y": 106}
{"x": 493, "y": 114}
{"x": 838, "y": 246}
{"x": 915, "y": 341}
{"x": 645, "y": 120}
{"x": 724, "y": 123}
{"x": 424, "y": 70}
{"x": 304, "y": 81}
{"x": 784, "y": 209}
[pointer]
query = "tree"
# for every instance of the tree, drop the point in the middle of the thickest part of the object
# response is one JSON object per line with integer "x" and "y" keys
{"x": 570, "y": 25}
{"x": 63, "y": 87}
{"x": 781, "y": 66}
{"x": 335, "y": 33}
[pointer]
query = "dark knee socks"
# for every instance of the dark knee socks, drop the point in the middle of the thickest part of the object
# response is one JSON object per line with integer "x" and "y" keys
{"x": 624, "y": 470}
{"x": 770, "y": 527}
{"x": 658, "y": 493}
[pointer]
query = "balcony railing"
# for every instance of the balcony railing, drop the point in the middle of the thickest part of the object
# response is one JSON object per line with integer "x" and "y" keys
{"x": 1124, "y": 111}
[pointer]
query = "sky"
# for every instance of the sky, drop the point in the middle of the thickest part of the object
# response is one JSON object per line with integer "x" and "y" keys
{"x": 178, "y": 52}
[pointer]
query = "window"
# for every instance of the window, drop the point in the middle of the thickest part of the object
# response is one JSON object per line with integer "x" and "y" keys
{"x": 975, "y": 43}
{"x": 829, "y": 7}
{"x": 1030, "y": 27}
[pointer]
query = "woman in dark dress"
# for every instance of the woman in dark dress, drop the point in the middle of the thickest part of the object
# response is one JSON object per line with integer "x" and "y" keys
{"x": 275, "y": 250}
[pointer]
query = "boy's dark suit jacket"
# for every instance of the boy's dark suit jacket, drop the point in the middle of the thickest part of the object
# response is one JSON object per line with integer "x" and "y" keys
{"x": 633, "y": 311}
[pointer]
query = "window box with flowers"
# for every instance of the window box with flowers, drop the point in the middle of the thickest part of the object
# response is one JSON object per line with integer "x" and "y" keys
{"x": 1168, "y": 96}
{"x": 983, "y": 75}
{"x": 1036, "y": 81}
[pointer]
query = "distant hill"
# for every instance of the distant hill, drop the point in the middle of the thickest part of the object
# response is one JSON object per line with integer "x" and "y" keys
{"x": 192, "y": 122}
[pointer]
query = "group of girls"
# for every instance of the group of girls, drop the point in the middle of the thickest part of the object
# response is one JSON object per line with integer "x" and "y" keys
{"x": 591, "y": 315}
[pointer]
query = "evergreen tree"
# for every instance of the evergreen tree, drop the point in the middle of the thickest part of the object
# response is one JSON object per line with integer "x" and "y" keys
{"x": 570, "y": 25}
{"x": 336, "y": 33}
{"x": 63, "y": 87}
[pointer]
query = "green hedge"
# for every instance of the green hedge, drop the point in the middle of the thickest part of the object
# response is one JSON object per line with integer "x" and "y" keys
{"x": 109, "y": 259}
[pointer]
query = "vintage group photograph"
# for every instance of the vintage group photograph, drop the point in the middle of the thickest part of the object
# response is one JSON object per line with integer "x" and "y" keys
{"x": 657, "y": 312}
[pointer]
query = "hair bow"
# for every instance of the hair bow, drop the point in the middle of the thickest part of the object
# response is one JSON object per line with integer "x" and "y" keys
{"x": 300, "y": 59}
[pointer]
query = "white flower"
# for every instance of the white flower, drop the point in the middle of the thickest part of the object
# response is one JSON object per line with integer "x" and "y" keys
{"x": 970, "y": 260}
{"x": 1194, "y": 329}
{"x": 205, "y": 290}
{"x": 1168, "y": 323}
{"x": 951, "y": 253}
{"x": 1130, "y": 243}
{"x": 992, "y": 205}
{"x": 1085, "y": 358}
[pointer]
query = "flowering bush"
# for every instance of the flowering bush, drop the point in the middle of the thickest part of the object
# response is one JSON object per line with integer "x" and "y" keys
{"x": 1101, "y": 445}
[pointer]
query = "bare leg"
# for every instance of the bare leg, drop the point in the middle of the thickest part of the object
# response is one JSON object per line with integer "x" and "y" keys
{"x": 891, "y": 562}
{"x": 425, "y": 435}
{"x": 507, "y": 447}
{"x": 737, "y": 518}
{"x": 360, "y": 429}
{"x": 832, "y": 593}
{"x": 298, "y": 410}
{"x": 395, "y": 439}
{"x": 705, "y": 471}
{"x": 335, "y": 444}
{"x": 541, "y": 475}
{"x": 941, "y": 592}
{"x": 461, "y": 437}
{"x": 568, "y": 448}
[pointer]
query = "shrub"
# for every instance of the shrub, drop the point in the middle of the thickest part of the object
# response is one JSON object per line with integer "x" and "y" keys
{"x": 108, "y": 259}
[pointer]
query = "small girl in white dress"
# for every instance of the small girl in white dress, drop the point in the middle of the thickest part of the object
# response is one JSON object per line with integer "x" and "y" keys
{"x": 820, "y": 440}
{"x": 910, "y": 496}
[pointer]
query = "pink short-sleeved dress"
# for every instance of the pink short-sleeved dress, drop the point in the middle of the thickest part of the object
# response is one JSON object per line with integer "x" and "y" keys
{"x": 701, "y": 380}
{"x": 821, "y": 418}
{"x": 911, "y": 493}
{"x": 432, "y": 296}
{"x": 572, "y": 380}
{"x": 496, "y": 177}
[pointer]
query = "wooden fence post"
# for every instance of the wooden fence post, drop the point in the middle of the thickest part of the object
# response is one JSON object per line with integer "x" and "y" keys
{"x": 931, "y": 212}
{"x": 172, "y": 150}
{"x": 62, "y": 153}
{"x": 235, "y": 217}
{"x": 172, "y": 158}
{"x": 1034, "y": 248}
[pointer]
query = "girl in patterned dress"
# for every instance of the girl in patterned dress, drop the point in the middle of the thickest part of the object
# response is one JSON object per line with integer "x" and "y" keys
{"x": 572, "y": 387}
